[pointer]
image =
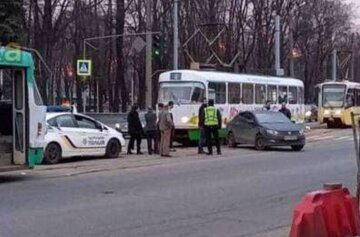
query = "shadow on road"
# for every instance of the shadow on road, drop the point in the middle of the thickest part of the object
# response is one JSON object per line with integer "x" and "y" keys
{"x": 279, "y": 149}
{"x": 13, "y": 178}
{"x": 87, "y": 158}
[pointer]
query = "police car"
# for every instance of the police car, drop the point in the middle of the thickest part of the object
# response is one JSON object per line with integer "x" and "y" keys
{"x": 73, "y": 134}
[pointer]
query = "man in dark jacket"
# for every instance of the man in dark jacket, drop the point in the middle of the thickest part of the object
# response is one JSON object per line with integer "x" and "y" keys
{"x": 202, "y": 138}
{"x": 285, "y": 110}
{"x": 151, "y": 131}
{"x": 135, "y": 130}
{"x": 171, "y": 106}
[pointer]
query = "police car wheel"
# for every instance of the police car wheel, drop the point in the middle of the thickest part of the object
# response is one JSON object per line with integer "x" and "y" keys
{"x": 52, "y": 154}
{"x": 113, "y": 149}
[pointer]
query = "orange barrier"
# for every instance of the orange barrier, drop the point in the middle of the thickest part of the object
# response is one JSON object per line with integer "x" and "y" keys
{"x": 331, "y": 212}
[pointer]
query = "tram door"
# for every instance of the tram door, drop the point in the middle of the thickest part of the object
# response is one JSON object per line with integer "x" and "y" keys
{"x": 19, "y": 117}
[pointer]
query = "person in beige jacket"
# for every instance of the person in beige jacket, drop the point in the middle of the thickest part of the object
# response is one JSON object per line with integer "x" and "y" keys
{"x": 165, "y": 126}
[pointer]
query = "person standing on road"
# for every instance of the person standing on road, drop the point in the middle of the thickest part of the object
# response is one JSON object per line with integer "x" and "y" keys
{"x": 285, "y": 110}
{"x": 171, "y": 106}
{"x": 267, "y": 105}
{"x": 202, "y": 138}
{"x": 212, "y": 122}
{"x": 151, "y": 131}
{"x": 135, "y": 130}
{"x": 158, "y": 133}
{"x": 165, "y": 125}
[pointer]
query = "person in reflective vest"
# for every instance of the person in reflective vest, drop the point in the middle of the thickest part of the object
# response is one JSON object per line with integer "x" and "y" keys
{"x": 212, "y": 122}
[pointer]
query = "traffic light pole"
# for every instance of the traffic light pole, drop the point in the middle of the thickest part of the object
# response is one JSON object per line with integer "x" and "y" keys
{"x": 148, "y": 70}
{"x": 176, "y": 35}
{"x": 86, "y": 42}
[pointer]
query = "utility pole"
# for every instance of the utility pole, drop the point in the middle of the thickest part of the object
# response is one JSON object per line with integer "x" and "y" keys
{"x": 277, "y": 46}
{"x": 352, "y": 69}
{"x": 291, "y": 44}
{"x": 84, "y": 81}
{"x": 148, "y": 73}
{"x": 176, "y": 35}
{"x": 334, "y": 64}
{"x": 334, "y": 60}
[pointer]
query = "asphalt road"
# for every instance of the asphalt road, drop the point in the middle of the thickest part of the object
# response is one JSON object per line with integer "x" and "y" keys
{"x": 242, "y": 193}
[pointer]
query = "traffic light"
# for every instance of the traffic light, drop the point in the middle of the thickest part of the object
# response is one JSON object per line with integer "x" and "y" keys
{"x": 156, "y": 47}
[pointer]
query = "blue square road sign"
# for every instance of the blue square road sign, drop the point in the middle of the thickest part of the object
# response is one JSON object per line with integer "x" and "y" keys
{"x": 84, "y": 67}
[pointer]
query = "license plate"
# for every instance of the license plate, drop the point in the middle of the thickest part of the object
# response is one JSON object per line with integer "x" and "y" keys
{"x": 290, "y": 138}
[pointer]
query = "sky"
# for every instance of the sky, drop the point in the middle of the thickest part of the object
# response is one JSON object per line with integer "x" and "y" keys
{"x": 356, "y": 4}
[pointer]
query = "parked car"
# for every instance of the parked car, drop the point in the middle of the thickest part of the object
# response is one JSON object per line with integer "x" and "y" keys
{"x": 72, "y": 134}
{"x": 265, "y": 129}
{"x": 311, "y": 113}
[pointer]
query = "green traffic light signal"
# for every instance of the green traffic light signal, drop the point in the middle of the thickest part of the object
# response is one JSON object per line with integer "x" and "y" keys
{"x": 157, "y": 47}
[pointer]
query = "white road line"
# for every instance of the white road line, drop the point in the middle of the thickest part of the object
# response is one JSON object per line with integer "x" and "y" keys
{"x": 343, "y": 138}
{"x": 318, "y": 138}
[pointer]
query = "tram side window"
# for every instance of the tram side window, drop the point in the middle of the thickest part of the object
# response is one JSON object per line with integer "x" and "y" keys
{"x": 357, "y": 94}
{"x": 247, "y": 93}
{"x": 350, "y": 100}
{"x": 19, "y": 90}
{"x": 272, "y": 94}
{"x": 234, "y": 93}
{"x": 283, "y": 94}
{"x": 301, "y": 95}
{"x": 260, "y": 94}
{"x": 293, "y": 95}
{"x": 217, "y": 91}
{"x": 37, "y": 96}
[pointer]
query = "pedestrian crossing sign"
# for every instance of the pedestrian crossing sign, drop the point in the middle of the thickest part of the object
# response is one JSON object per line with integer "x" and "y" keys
{"x": 84, "y": 67}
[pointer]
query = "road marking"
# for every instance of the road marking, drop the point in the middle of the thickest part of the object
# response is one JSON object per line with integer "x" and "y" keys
{"x": 343, "y": 138}
{"x": 318, "y": 138}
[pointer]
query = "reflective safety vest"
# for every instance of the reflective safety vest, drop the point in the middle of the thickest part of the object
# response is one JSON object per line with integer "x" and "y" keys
{"x": 211, "y": 118}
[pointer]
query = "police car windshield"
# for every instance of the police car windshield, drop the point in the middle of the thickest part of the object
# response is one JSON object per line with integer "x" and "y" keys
{"x": 181, "y": 92}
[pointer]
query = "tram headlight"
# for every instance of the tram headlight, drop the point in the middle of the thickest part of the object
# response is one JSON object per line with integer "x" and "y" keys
{"x": 338, "y": 112}
{"x": 326, "y": 112}
{"x": 185, "y": 119}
